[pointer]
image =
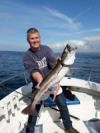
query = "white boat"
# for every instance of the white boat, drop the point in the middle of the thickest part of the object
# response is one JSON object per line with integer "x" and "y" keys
{"x": 84, "y": 110}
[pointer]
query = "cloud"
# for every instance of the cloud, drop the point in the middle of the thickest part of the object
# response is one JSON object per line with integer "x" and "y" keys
{"x": 16, "y": 17}
{"x": 85, "y": 11}
{"x": 41, "y": 16}
{"x": 62, "y": 18}
{"x": 93, "y": 39}
{"x": 92, "y": 43}
{"x": 95, "y": 30}
{"x": 4, "y": 14}
{"x": 88, "y": 31}
{"x": 87, "y": 44}
{"x": 73, "y": 43}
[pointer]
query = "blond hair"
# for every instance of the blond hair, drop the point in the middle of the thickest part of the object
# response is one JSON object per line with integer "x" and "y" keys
{"x": 32, "y": 31}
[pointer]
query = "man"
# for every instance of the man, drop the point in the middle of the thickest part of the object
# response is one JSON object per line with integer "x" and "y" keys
{"x": 38, "y": 61}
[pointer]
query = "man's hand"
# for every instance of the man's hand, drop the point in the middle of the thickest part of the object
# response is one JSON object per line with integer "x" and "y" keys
{"x": 59, "y": 58}
{"x": 37, "y": 86}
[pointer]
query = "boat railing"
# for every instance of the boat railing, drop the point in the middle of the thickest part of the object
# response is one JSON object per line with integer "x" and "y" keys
{"x": 85, "y": 73}
{"x": 24, "y": 74}
{"x": 12, "y": 83}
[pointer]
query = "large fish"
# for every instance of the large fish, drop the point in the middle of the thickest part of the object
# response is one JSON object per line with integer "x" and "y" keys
{"x": 61, "y": 68}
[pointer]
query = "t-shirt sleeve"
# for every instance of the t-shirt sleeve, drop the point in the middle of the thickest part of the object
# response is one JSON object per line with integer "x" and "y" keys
{"x": 51, "y": 58}
{"x": 29, "y": 64}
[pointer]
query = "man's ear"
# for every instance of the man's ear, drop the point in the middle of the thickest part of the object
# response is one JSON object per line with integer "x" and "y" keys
{"x": 27, "y": 39}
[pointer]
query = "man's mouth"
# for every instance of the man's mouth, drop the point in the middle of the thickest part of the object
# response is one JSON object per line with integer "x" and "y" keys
{"x": 35, "y": 44}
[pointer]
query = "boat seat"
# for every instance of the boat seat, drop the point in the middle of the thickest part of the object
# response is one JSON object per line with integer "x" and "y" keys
{"x": 39, "y": 128}
{"x": 49, "y": 102}
{"x": 93, "y": 125}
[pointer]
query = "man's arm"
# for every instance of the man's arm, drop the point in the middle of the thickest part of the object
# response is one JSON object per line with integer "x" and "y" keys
{"x": 32, "y": 68}
{"x": 38, "y": 78}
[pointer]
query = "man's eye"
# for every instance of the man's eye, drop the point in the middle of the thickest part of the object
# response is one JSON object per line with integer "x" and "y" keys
{"x": 34, "y": 38}
{"x": 37, "y": 37}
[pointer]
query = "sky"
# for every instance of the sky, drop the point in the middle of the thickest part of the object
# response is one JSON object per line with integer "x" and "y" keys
{"x": 76, "y": 22}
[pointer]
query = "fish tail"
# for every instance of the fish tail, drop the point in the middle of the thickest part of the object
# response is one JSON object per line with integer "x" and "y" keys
{"x": 29, "y": 110}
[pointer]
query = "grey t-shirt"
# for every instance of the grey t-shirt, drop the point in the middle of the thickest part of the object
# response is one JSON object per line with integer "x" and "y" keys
{"x": 42, "y": 60}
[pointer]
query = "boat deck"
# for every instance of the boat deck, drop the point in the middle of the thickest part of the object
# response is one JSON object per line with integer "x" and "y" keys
{"x": 13, "y": 121}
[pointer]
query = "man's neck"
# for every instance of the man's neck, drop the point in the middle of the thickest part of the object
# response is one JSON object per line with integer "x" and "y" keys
{"x": 35, "y": 49}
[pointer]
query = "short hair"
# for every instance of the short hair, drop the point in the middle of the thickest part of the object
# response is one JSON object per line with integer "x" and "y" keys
{"x": 32, "y": 30}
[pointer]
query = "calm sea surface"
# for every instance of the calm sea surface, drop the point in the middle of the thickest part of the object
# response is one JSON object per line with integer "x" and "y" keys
{"x": 87, "y": 66}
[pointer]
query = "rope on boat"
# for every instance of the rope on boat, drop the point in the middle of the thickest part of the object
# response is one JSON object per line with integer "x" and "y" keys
{"x": 85, "y": 69}
{"x": 70, "y": 115}
{"x": 26, "y": 79}
{"x": 12, "y": 77}
{"x": 2, "y": 84}
{"x": 9, "y": 89}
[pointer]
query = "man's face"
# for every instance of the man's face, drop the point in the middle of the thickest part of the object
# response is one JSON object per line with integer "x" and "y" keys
{"x": 34, "y": 40}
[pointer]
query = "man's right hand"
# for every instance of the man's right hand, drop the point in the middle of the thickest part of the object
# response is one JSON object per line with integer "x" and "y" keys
{"x": 37, "y": 86}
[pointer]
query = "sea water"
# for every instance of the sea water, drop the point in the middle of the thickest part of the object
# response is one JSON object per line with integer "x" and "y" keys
{"x": 86, "y": 66}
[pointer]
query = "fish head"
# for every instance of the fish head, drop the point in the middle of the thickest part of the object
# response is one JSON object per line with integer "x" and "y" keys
{"x": 68, "y": 55}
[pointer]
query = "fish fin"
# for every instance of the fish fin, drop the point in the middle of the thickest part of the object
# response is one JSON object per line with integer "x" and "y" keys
{"x": 46, "y": 90}
{"x": 56, "y": 91}
{"x": 29, "y": 110}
